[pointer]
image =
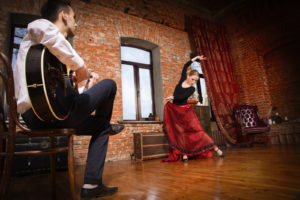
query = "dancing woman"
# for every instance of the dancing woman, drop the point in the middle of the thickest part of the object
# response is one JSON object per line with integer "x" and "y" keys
{"x": 186, "y": 137}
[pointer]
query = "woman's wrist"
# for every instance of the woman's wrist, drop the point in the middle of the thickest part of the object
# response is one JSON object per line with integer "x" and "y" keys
{"x": 194, "y": 59}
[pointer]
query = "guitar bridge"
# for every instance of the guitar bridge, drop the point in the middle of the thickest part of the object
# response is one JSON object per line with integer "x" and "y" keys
{"x": 35, "y": 85}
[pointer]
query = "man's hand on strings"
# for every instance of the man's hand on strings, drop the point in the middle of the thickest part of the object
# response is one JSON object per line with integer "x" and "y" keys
{"x": 92, "y": 80}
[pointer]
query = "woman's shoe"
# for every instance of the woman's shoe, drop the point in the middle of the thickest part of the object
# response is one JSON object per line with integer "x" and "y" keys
{"x": 184, "y": 158}
{"x": 221, "y": 155}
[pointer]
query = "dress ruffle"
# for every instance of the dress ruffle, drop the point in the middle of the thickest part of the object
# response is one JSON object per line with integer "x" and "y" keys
{"x": 185, "y": 134}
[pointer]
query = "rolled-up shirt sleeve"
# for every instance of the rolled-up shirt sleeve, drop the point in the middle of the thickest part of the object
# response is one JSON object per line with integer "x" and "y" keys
{"x": 46, "y": 33}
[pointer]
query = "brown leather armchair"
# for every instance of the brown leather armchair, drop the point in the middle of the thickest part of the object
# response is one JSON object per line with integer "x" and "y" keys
{"x": 249, "y": 123}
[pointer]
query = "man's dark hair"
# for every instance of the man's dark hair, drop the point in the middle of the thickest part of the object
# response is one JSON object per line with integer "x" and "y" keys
{"x": 51, "y": 9}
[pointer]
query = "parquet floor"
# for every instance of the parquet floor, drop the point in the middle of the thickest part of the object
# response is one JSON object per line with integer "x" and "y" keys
{"x": 271, "y": 172}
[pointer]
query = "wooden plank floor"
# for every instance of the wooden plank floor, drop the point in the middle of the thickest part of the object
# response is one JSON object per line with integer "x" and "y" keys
{"x": 271, "y": 172}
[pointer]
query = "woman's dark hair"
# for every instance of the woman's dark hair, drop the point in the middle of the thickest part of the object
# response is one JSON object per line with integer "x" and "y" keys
{"x": 51, "y": 9}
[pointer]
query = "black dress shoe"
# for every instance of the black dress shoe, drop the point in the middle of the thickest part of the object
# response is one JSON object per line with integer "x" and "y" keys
{"x": 116, "y": 128}
{"x": 99, "y": 191}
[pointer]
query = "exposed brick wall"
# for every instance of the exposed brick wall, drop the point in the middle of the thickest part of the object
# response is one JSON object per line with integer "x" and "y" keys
{"x": 283, "y": 74}
{"x": 98, "y": 43}
{"x": 255, "y": 30}
{"x": 167, "y": 12}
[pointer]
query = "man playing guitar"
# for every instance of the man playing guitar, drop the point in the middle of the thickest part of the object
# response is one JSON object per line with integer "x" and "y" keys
{"x": 57, "y": 24}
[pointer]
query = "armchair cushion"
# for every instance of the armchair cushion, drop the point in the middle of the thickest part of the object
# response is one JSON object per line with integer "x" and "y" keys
{"x": 248, "y": 120}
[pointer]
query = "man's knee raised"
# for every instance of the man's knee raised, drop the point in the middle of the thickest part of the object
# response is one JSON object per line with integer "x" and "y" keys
{"x": 111, "y": 83}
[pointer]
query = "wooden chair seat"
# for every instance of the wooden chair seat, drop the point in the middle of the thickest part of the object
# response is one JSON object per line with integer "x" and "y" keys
{"x": 11, "y": 128}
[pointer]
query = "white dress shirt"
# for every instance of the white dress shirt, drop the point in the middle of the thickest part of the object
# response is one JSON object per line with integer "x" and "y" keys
{"x": 44, "y": 32}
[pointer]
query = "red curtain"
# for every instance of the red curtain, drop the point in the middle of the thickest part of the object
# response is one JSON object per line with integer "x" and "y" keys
{"x": 210, "y": 40}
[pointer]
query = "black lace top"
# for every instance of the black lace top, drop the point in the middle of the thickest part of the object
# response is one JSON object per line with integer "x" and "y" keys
{"x": 182, "y": 94}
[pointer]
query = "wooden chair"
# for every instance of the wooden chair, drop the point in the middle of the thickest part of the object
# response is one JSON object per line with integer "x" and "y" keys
{"x": 249, "y": 123}
{"x": 11, "y": 128}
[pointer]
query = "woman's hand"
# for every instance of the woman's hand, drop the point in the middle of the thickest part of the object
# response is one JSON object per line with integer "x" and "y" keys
{"x": 202, "y": 57}
{"x": 168, "y": 99}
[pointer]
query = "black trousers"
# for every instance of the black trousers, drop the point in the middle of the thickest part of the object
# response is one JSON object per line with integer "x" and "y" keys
{"x": 100, "y": 98}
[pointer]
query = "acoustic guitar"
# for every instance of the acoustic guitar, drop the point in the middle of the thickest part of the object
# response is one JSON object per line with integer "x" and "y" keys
{"x": 49, "y": 87}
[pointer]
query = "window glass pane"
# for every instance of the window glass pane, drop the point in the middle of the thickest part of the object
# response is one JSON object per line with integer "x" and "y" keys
{"x": 135, "y": 55}
{"x": 196, "y": 66}
{"x": 145, "y": 92}
{"x": 14, "y": 58}
{"x": 204, "y": 92}
{"x": 128, "y": 93}
{"x": 203, "y": 88}
{"x": 19, "y": 34}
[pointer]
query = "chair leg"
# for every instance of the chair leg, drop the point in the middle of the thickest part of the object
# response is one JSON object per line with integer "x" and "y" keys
{"x": 252, "y": 140}
{"x": 1, "y": 151}
{"x": 52, "y": 169}
{"x": 71, "y": 167}
{"x": 6, "y": 177}
{"x": 7, "y": 165}
{"x": 2, "y": 157}
{"x": 258, "y": 142}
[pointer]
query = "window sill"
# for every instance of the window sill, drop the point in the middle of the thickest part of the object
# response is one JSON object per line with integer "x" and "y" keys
{"x": 139, "y": 122}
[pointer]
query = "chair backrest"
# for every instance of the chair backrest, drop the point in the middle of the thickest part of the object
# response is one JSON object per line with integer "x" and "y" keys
{"x": 8, "y": 97}
{"x": 246, "y": 115}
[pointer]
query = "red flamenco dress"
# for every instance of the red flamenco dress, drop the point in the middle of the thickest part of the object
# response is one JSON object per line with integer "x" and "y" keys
{"x": 182, "y": 128}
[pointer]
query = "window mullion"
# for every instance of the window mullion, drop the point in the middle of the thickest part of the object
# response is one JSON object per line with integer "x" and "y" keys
{"x": 137, "y": 84}
{"x": 11, "y": 46}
